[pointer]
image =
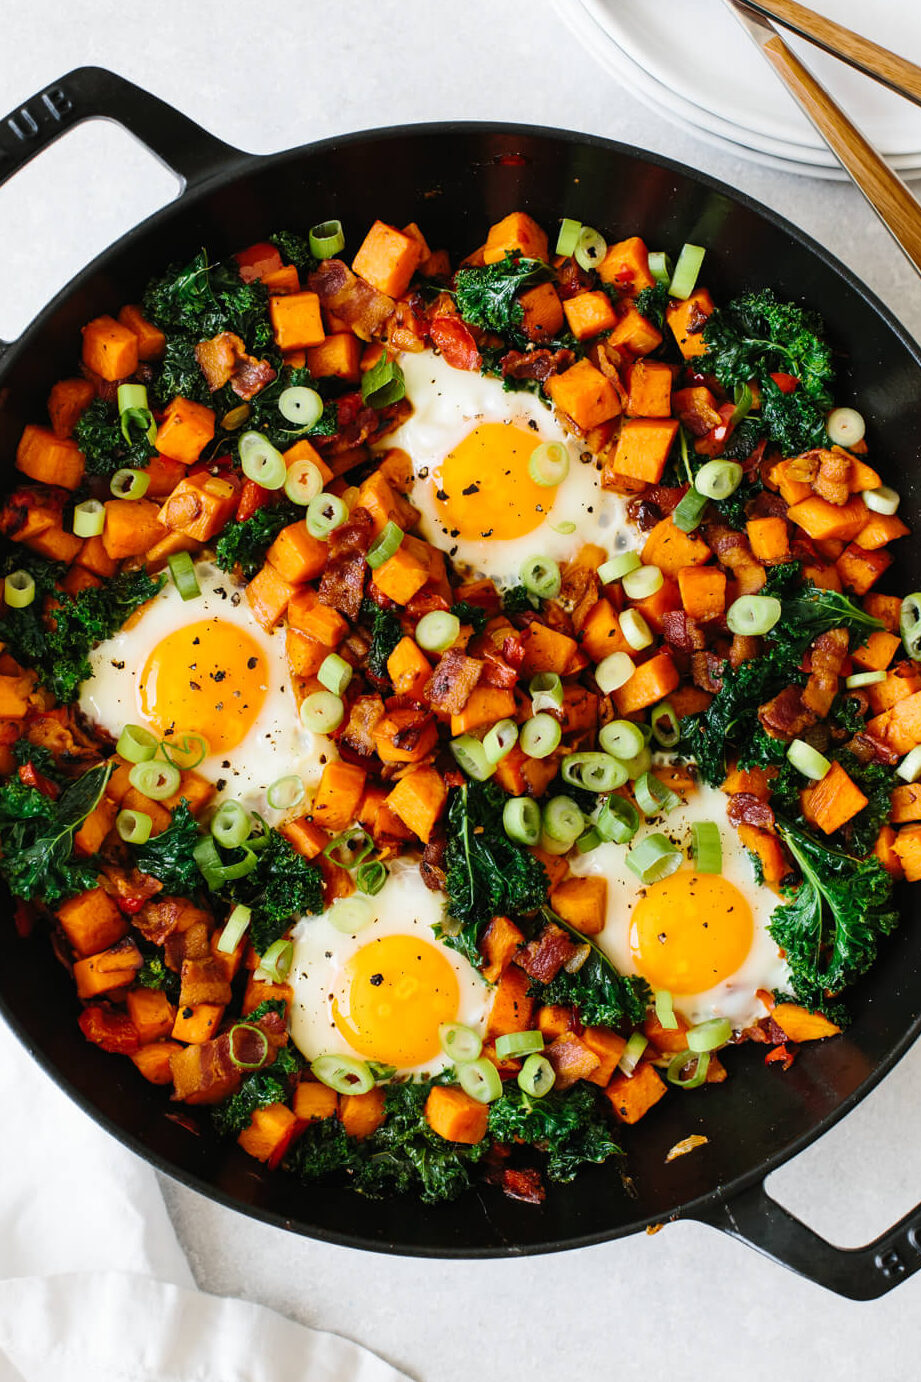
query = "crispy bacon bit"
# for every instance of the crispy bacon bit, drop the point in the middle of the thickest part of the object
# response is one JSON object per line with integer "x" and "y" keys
{"x": 745, "y": 647}
{"x": 343, "y": 582}
{"x": 571, "y": 1059}
{"x": 130, "y": 888}
{"x": 448, "y": 688}
{"x": 730, "y": 547}
{"x": 785, "y": 717}
{"x": 535, "y": 364}
{"x": 496, "y": 671}
{"x": 745, "y": 808}
{"x": 781, "y": 1054}
{"x": 831, "y": 483}
{"x": 432, "y": 866}
{"x": 190, "y": 944}
{"x": 571, "y": 279}
{"x": 686, "y": 1145}
{"x": 768, "y": 505}
{"x": 203, "y": 981}
{"x": 544, "y": 957}
{"x": 223, "y": 360}
{"x": 706, "y": 671}
{"x": 157, "y": 920}
{"x": 826, "y": 658}
{"x": 350, "y": 298}
{"x": 365, "y": 714}
{"x": 579, "y": 592}
{"x": 867, "y": 748}
{"x": 524, "y": 1184}
{"x": 206, "y": 1073}
{"x": 682, "y": 632}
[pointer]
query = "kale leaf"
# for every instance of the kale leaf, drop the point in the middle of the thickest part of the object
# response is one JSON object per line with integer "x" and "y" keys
{"x": 485, "y": 872}
{"x": 37, "y": 837}
{"x": 406, "y": 1154}
{"x": 517, "y": 599}
{"x": 201, "y": 299}
{"x": 487, "y": 295}
{"x": 156, "y": 974}
{"x": 471, "y": 614}
{"x": 572, "y": 1127}
{"x": 876, "y": 781}
{"x": 271, "y": 1085}
{"x": 265, "y": 416}
{"x": 99, "y": 436}
{"x": 323, "y": 1148}
{"x": 651, "y": 304}
{"x": 180, "y": 373}
{"x": 294, "y": 249}
{"x": 246, "y": 543}
{"x": 386, "y": 631}
{"x": 283, "y": 885}
{"x": 832, "y": 922}
{"x": 814, "y": 611}
{"x": 743, "y": 440}
{"x": 168, "y": 856}
{"x": 42, "y": 759}
{"x": 602, "y": 995}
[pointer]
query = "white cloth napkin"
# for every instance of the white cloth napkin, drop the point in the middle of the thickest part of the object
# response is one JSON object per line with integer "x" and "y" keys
{"x": 93, "y": 1282}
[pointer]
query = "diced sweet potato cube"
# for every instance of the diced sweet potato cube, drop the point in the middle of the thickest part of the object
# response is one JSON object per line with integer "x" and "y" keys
{"x": 632, "y": 1096}
{"x": 338, "y": 796}
{"x": 626, "y": 264}
{"x": 485, "y": 706}
{"x": 687, "y": 320}
{"x": 109, "y": 348}
{"x": 404, "y": 574}
{"x": 297, "y": 555}
{"x": 270, "y": 1132}
{"x": 296, "y": 320}
{"x": 455, "y": 1116}
{"x": 588, "y": 314}
{"x": 155, "y": 1062}
{"x": 387, "y": 259}
{"x": 636, "y": 332}
{"x": 185, "y": 431}
{"x": 582, "y": 902}
{"x": 362, "y": 1114}
{"x": 517, "y": 231}
{"x": 268, "y": 594}
{"x": 512, "y": 1006}
{"x": 800, "y": 1024}
{"x": 650, "y": 391}
{"x": 500, "y": 941}
{"x": 91, "y": 921}
{"x": 314, "y": 1101}
{"x": 151, "y": 340}
{"x": 49, "y": 459}
{"x": 608, "y": 1046}
{"x": 833, "y": 801}
{"x": 198, "y": 1024}
{"x": 200, "y": 506}
{"x": 418, "y": 799}
{"x": 584, "y": 394}
{"x": 543, "y": 312}
{"x": 152, "y": 1013}
{"x": 68, "y": 400}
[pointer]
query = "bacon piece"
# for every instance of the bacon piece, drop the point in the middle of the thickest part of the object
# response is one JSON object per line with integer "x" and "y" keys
{"x": 729, "y": 546}
{"x": 745, "y": 808}
{"x": 496, "y": 671}
{"x": 350, "y": 298}
{"x": 158, "y": 920}
{"x": 190, "y": 944}
{"x": 579, "y": 592}
{"x": 432, "y": 866}
{"x": 223, "y": 360}
{"x": 544, "y": 957}
{"x": 706, "y": 671}
{"x": 448, "y": 688}
{"x": 343, "y": 582}
{"x": 745, "y": 647}
{"x": 785, "y": 717}
{"x": 768, "y": 505}
{"x": 826, "y": 660}
{"x": 571, "y": 1059}
{"x": 130, "y": 888}
{"x": 682, "y": 632}
{"x": 524, "y": 1184}
{"x": 365, "y": 714}
{"x": 831, "y": 482}
{"x": 206, "y": 1073}
{"x": 535, "y": 364}
{"x": 572, "y": 280}
{"x": 203, "y": 981}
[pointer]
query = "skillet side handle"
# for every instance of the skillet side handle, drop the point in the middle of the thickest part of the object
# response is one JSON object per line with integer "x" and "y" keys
{"x": 93, "y": 92}
{"x": 857, "y": 1273}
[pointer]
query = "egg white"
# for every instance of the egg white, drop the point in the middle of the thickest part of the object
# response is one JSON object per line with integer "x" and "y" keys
{"x": 403, "y": 907}
{"x": 734, "y": 998}
{"x": 276, "y": 744}
{"x": 448, "y": 404}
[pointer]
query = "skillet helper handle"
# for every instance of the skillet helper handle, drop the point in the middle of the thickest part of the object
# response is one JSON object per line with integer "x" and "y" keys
{"x": 93, "y": 92}
{"x": 858, "y": 1273}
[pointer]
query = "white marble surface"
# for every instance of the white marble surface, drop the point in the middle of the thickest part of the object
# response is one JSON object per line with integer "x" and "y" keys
{"x": 687, "y": 1302}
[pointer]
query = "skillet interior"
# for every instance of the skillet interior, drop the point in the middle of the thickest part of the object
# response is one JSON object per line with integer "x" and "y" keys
{"x": 456, "y": 180}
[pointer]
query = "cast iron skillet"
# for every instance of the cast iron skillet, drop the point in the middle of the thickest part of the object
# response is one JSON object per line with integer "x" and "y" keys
{"x": 455, "y": 180}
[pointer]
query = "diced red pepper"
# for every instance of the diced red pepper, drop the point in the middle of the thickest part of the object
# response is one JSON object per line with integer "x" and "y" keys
{"x": 110, "y": 1029}
{"x": 787, "y": 383}
{"x": 783, "y": 1054}
{"x": 258, "y": 260}
{"x": 252, "y": 498}
{"x": 455, "y": 341}
{"x": 29, "y": 776}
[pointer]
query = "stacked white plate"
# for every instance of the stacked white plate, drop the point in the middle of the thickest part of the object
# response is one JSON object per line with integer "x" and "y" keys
{"x": 693, "y": 63}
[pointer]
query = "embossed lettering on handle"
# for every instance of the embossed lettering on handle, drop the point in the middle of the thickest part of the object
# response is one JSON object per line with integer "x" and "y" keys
{"x": 50, "y": 110}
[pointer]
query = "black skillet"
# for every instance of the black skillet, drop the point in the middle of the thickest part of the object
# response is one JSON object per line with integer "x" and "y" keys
{"x": 455, "y": 179}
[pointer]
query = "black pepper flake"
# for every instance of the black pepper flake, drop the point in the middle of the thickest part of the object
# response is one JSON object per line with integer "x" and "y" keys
{"x": 218, "y": 676}
{"x": 441, "y": 494}
{"x": 194, "y": 686}
{"x": 473, "y": 488}
{"x": 252, "y": 663}
{"x": 376, "y": 980}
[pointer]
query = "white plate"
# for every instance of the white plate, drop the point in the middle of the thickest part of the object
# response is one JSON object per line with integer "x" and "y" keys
{"x": 696, "y": 49}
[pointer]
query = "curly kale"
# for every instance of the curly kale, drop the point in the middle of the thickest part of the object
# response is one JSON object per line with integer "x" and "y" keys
{"x": 37, "y": 837}
{"x": 156, "y": 974}
{"x": 487, "y": 295}
{"x": 168, "y": 856}
{"x": 599, "y": 992}
{"x": 322, "y": 1149}
{"x": 265, "y": 416}
{"x": 385, "y": 631}
{"x": 571, "y": 1128}
{"x": 471, "y": 614}
{"x": 294, "y": 249}
{"x": 876, "y": 781}
{"x": 761, "y": 751}
{"x": 743, "y": 439}
{"x": 246, "y": 543}
{"x": 42, "y": 759}
{"x": 405, "y": 1154}
{"x": 651, "y": 304}
{"x": 180, "y": 373}
{"x": 833, "y": 921}
{"x": 283, "y": 885}
{"x": 99, "y": 435}
{"x": 485, "y": 872}
{"x": 201, "y": 299}
{"x": 271, "y": 1085}
{"x": 517, "y": 599}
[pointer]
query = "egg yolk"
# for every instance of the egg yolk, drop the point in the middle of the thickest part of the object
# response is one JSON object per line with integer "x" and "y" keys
{"x": 210, "y": 677}
{"x": 690, "y": 931}
{"x": 483, "y": 488}
{"x": 397, "y": 992}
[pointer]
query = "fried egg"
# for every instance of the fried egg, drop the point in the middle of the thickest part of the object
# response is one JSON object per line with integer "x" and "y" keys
{"x": 205, "y": 666}
{"x": 470, "y": 443}
{"x": 701, "y": 936}
{"x": 382, "y": 993}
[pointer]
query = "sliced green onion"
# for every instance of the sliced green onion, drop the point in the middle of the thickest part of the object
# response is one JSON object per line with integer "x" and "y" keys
{"x": 334, "y": 673}
{"x": 660, "y": 266}
{"x": 480, "y": 1079}
{"x": 753, "y": 614}
{"x": 568, "y": 237}
{"x": 89, "y": 518}
{"x": 185, "y": 753}
{"x": 511, "y": 1045}
{"x": 618, "y": 820}
{"x": 617, "y": 567}
{"x": 858, "y": 679}
{"x": 325, "y": 513}
{"x": 546, "y": 691}
{"x": 213, "y": 869}
{"x": 562, "y": 820}
{"x": 665, "y": 1011}
{"x": 845, "y": 427}
{"x": 326, "y": 239}
{"x": 591, "y": 247}
{"x": 689, "y": 510}
{"x": 548, "y": 464}
{"x": 744, "y": 401}
{"x": 910, "y": 625}
{"x": 593, "y": 772}
{"x": 182, "y": 569}
{"x": 499, "y": 741}
{"x": 540, "y": 576}
{"x": 808, "y": 760}
{"x": 322, "y": 712}
{"x": 706, "y": 847}
{"x": 638, "y": 765}
{"x": 371, "y": 876}
{"x": 882, "y": 500}
{"x": 521, "y": 820}
{"x": 134, "y": 410}
{"x": 237, "y": 1058}
{"x": 654, "y": 858}
{"x": 234, "y": 420}
{"x": 350, "y": 848}
{"x": 262, "y": 462}
{"x": 565, "y": 528}
{"x": 303, "y": 482}
{"x": 633, "y": 1053}
{"x": 437, "y": 630}
{"x": 344, "y": 1074}
{"x": 666, "y": 729}
{"x": 154, "y": 779}
{"x": 589, "y": 839}
{"x": 461, "y": 1043}
{"x": 285, "y": 792}
{"x": 678, "y": 1064}
{"x": 129, "y": 484}
{"x": 536, "y": 1077}
{"x": 137, "y": 744}
{"x": 909, "y": 770}
{"x": 643, "y": 582}
{"x": 131, "y": 396}
{"x": 635, "y": 630}
{"x": 231, "y": 824}
{"x": 622, "y": 738}
{"x": 133, "y": 827}
{"x": 19, "y": 589}
{"x": 350, "y": 914}
{"x": 383, "y": 384}
{"x": 614, "y": 671}
{"x": 302, "y": 406}
{"x": 707, "y": 1036}
{"x": 470, "y": 755}
{"x": 718, "y": 479}
{"x": 653, "y": 797}
{"x": 540, "y": 735}
{"x": 384, "y": 545}
{"x": 687, "y": 269}
{"x": 235, "y": 929}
